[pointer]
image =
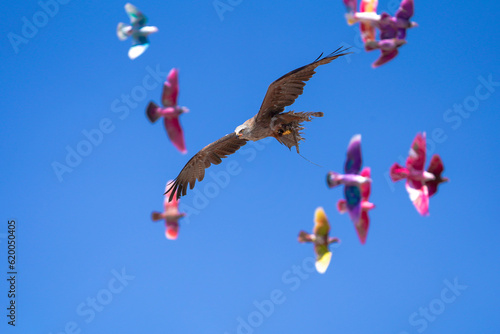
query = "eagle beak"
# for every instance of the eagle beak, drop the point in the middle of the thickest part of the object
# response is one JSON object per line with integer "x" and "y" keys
{"x": 239, "y": 134}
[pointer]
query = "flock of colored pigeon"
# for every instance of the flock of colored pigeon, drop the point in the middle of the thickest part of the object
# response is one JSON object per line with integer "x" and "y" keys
{"x": 272, "y": 121}
{"x": 392, "y": 29}
{"x": 420, "y": 184}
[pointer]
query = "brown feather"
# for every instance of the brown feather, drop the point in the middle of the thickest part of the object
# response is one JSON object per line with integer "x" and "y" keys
{"x": 283, "y": 91}
{"x": 195, "y": 168}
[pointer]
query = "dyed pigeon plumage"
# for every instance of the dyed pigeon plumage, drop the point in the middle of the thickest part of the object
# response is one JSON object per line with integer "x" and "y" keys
{"x": 321, "y": 240}
{"x": 436, "y": 168}
{"x": 392, "y": 29}
{"x": 171, "y": 215}
{"x": 351, "y": 179}
{"x": 418, "y": 180}
{"x": 403, "y": 16}
{"x": 363, "y": 223}
{"x": 170, "y": 111}
{"x": 137, "y": 30}
{"x": 388, "y": 49}
{"x": 367, "y": 28}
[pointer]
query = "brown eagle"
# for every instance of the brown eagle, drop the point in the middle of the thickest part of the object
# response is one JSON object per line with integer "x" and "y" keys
{"x": 270, "y": 121}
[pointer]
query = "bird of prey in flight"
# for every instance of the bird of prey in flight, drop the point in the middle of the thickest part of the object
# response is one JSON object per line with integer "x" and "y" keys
{"x": 270, "y": 121}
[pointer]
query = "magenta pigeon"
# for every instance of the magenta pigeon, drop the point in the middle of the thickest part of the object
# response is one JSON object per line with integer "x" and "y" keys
{"x": 363, "y": 223}
{"x": 420, "y": 184}
{"x": 171, "y": 215}
{"x": 388, "y": 49}
{"x": 170, "y": 111}
{"x": 351, "y": 179}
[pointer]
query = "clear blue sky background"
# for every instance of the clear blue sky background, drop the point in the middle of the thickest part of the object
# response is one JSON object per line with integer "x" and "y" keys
{"x": 240, "y": 247}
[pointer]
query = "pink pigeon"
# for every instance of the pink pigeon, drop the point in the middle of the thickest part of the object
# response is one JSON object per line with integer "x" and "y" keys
{"x": 363, "y": 223}
{"x": 170, "y": 111}
{"x": 418, "y": 180}
{"x": 171, "y": 215}
{"x": 351, "y": 180}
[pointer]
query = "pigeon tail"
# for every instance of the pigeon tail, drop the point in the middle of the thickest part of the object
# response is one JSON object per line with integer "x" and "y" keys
{"x": 152, "y": 112}
{"x": 304, "y": 237}
{"x": 156, "y": 216}
{"x": 120, "y": 31}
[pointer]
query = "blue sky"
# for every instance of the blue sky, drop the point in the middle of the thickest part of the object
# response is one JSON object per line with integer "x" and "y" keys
{"x": 91, "y": 261}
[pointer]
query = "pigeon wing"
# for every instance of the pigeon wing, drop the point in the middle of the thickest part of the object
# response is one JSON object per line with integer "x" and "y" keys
{"x": 353, "y": 202}
{"x": 353, "y": 162}
{"x": 170, "y": 89}
{"x": 135, "y": 15}
{"x": 419, "y": 195}
{"x": 366, "y": 187}
{"x": 175, "y": 133}
{"x": 436, "y": 167}
{"x": 416, "y": 155}
{"x": 321, "y": 224}
{"x": 405, "y": 11}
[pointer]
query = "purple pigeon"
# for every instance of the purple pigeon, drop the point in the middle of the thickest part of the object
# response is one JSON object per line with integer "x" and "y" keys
{"x": 351, "y": 179}
{"x": 403, "y": 16}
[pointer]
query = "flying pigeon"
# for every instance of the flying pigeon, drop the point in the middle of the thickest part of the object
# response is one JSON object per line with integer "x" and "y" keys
{"x": 321, "y": 240}
{"x": 138, "y": 30}
{"x": 351, "y": 179}
{"x": 363, "y": 223}
{"x": 270, "y": 121}
{"x": 392, "y": 29}
{"x": 170, "y": 111}
{"x": 367, "y": 14}
{"x": 420, "y": 184}
{"x": 171, "y": 215}
{"x": 388, "y": 49}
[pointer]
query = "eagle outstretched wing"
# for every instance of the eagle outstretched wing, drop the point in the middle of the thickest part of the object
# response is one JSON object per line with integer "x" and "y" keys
{"x": 283, "y": 91}
{"x": 195, "y": 168}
